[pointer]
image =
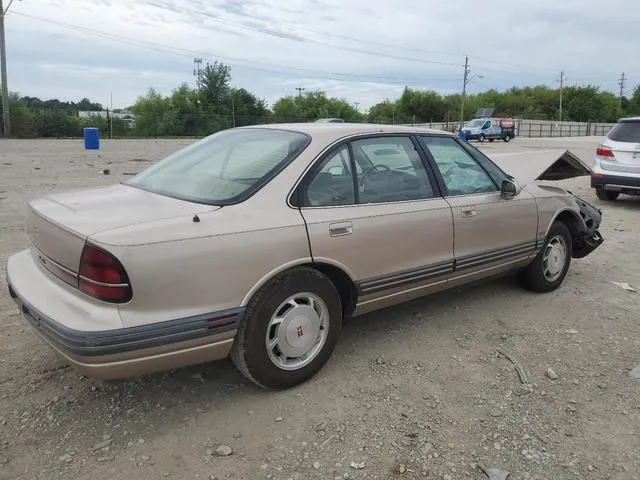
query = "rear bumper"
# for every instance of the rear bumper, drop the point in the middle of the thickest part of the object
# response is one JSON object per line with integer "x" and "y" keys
{"x": 115, "y": 353}
{"x": 616, "y": 183}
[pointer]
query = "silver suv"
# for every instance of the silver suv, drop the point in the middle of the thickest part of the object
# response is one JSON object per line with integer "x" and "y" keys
{"x": 616, "y": 167}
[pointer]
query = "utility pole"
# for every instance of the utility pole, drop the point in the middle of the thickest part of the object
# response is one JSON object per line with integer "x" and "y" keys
{"x": 233, "y": 109}
{"x": 464, "y": 89}
{"x": 621, "y": 82}
{"x": 111, "y": 117}
{"x": 300, "y": 90}
{"x": 196, "y": 66}
{"x": 563, "y": 77}
{"x": 3, "y": 72}
{"x": 356, "y": 104}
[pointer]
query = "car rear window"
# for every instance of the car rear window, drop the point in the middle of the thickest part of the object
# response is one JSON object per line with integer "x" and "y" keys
{"x": 224, "y": 168}
{"x": 626, "y": 131}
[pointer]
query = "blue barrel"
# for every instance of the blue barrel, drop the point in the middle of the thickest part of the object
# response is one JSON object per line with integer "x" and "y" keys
{"x": 91, "y": 138}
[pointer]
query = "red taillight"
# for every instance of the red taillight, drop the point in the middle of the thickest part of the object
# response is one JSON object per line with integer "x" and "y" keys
{"x": 102, "y": 276}
{"x": 604, "y": 151}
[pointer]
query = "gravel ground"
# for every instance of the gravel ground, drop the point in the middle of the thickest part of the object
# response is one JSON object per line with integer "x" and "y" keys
{"x": 415, "y": 391}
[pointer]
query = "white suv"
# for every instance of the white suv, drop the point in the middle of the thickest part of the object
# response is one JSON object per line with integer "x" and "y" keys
{"x": 616, "y": 168}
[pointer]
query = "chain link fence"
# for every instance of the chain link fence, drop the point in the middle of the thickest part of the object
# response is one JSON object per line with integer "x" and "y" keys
{"x": 58, "y": 124}
{"x": 540, "y": 128}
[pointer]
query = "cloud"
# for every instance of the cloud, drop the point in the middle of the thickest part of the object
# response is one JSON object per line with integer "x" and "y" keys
{"x": 363, "y": 50}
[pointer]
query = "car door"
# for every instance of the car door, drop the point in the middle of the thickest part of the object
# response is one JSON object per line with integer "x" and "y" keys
{"x": 373, "y": 210}
{"x": 491, "y": 233}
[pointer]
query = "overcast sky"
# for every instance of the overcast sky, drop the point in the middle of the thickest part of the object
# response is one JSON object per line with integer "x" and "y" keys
{"x": 363, "y": 50}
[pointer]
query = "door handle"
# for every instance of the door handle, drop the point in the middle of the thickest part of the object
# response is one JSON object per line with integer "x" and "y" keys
{"x": 340, "y": 229}
{"x": 471, "y": 212}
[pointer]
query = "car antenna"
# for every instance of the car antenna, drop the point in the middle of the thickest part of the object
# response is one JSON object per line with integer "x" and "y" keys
{"x": 196, "y": 218}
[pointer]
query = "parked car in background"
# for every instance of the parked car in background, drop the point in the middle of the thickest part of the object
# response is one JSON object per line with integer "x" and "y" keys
{"x": 489, "y": 129}
{"x": 616, "y": 167}
{"x": 258, "y": 242}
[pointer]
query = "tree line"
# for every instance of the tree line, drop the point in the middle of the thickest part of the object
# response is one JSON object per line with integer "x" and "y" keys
{"x": 215, "y": 104}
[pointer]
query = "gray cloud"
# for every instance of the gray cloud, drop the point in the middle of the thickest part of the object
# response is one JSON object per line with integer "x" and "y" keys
{"x": 359, "y": 49}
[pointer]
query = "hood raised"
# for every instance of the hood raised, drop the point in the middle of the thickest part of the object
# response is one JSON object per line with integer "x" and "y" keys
{"x": 527, "y": 167}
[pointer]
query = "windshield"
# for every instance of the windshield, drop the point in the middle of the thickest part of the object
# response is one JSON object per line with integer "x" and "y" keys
{"x": 626, "y": 131}
{"x": 223, "y": 168}
{"x": 475, "y": 123}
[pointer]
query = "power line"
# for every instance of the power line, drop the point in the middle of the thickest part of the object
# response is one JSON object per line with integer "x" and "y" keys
{"x": 316, "y": 42}
{"x": 248, "y": 63}
{"x": 227, "y": 21}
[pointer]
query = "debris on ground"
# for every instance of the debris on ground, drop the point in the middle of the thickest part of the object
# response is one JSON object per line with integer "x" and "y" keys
{"x": 495, "y": 473}
{"x": 624, "y": 286}
{"x": 551, "y": 374}
{"x": 519, "y": 369}
{"x": 357, "y": 466}
{"x": 635, "y": 373}
{"x": 106, "y": 171}
{"x": 224, "y": 451}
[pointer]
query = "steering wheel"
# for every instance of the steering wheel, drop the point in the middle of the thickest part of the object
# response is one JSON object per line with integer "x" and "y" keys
{"x": 373, "y": 169}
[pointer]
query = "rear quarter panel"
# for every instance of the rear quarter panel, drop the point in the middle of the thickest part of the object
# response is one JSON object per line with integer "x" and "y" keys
{"x": 214, "y": 272}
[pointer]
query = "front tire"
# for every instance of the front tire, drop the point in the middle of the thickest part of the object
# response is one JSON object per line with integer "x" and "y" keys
{"x": 482, "y": 138}
{"x": 507, "y": 138}
{"x": 547, "y": 272}
{"x": 290, "y": 329}
{"x": 607, "y": 195}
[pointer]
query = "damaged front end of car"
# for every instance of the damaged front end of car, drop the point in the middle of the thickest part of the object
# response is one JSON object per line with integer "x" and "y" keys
{"x": 554, "y": 165}
{"x": 587, "y": 237}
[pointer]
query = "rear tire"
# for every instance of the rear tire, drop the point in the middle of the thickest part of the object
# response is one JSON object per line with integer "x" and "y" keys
{"x": 607, "y": 195}
{"x": 270, "y": 347}
{"x": 548, "y": 270}
{"x": 507, "y": 138}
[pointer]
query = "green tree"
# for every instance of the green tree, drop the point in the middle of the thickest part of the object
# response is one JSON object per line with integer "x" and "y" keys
{"x": 189, "y": 116}
{"x": 314, "y": 105}
{"x": 213, "y": 83}
{"x": 154, "y": 115}
{"x": 21, "y": 118}
{"x": 634, "y": 102}
{"x": 248, "y": 109}
{"x": 57, "y": 123}
{"x": 417, "y": 106}
{"x": 383, "y": 112}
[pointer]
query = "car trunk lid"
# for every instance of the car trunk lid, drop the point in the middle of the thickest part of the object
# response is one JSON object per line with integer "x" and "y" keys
{"x": 58, "y": 225}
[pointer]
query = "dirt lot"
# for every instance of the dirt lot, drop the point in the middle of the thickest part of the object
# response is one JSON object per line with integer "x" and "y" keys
{"x": 416, "y": 391}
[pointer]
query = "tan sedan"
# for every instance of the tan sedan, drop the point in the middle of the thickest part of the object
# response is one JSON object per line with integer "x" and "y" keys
{"x": 258, "y": 243}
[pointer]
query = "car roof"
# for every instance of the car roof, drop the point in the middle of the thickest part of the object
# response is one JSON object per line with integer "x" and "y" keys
{"x": 630, "y": 119}
{"x": 339, "y": 130}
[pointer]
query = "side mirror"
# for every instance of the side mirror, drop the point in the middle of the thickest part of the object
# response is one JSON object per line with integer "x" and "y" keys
{"x": 509, "y": 189}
